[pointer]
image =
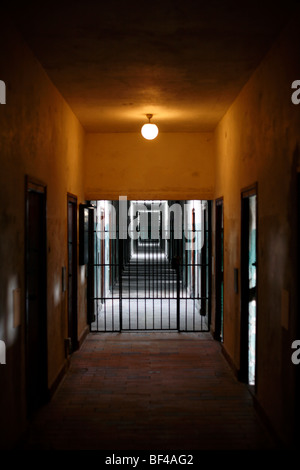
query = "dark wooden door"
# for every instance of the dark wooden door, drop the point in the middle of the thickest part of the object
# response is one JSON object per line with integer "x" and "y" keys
{"x": 219, "y": 286}
{"x": 72, "y": 271}
{"x": 297, "y": 326}
{"x": 36, "y": 297}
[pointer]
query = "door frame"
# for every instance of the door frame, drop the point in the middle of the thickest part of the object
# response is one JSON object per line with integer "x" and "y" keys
{"x": 73, "y": 320}
{"x": 246, "y": 193}
{"x": 297, "y": 326}
{"x": 90, "y": 267}
{"x": 219, "y": 274}
{"x": 34, "y": 185}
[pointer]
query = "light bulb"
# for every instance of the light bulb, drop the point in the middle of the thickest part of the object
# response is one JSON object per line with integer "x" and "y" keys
{"x": 149, "y": 131}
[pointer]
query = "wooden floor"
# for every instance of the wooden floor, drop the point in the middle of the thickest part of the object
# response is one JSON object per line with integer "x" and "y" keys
{"x": 148, "y": 391}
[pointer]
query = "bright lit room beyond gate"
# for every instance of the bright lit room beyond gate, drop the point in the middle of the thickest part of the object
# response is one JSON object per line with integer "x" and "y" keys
{"x": 149, "y": 265}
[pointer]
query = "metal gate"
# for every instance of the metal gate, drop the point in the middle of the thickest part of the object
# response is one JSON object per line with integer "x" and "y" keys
{"x": 155, "y": 274}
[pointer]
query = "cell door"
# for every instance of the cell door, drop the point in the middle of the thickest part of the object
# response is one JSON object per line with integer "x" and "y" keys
{"x": 36, "y": 296}
{"x": 297, "y": 326}
{"x": 248, "y": 285}
{"x": 219, "y": 278}
{"x": 72, "y": 270}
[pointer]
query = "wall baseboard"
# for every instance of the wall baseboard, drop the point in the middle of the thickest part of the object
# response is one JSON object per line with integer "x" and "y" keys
{"x": 230, "y": 361}
{"x": 277, "y": 441}
{"x": 66, "y": 364}
{"x": 60, "y": 376}
{"x": 83, "y": 335}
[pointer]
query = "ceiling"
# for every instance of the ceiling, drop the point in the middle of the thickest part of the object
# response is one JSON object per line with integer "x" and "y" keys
{"x": 183, "y": 61}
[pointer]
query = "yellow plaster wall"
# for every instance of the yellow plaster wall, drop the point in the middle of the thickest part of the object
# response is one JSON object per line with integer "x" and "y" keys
{"x": 173, "y": 166}
{"x": 39, "y": 136}
{"x": 258, "y": 141}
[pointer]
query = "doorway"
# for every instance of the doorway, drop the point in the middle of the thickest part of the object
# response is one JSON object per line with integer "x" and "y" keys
{"x": 72, "y": 270}
{"x": 297, "y": 336}
{"x": 35, "y": 295}
{"x": 248, "y": 285}
{"x": 219, "y": 280}
{"x": 157, "y": 276}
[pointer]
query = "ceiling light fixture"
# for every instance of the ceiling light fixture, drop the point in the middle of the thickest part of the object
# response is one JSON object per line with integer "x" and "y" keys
{"x": 149, "y": 131}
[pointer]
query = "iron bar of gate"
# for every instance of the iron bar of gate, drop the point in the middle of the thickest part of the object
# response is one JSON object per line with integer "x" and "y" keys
{"x": 178, "y": 296}
{"x": 176, "y": 266}
{"x": 120, "y": 282}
